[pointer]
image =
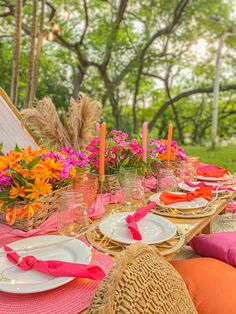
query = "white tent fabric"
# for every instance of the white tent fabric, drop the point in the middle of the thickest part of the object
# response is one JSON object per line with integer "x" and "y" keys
{"x": 12, "y": 131}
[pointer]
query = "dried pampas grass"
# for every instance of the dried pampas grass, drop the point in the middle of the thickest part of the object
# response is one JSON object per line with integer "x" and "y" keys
{"x": 75, "y": 129}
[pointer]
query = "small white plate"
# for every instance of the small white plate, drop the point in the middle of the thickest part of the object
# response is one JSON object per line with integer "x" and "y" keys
{"x": 213, "y": 179}
{"x": 154, "y": 229}
{"x": 185, "y": 187}
{"x": 33, "y": 281}
{"x": 194, "y": 204}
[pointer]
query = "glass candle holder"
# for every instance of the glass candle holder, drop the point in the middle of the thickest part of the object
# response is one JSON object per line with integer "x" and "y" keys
{"x": 188, "y": 168}
{"x": 88, "y": 186}
{"x": 72, "y": 218}
{"x": 166, "y": 180}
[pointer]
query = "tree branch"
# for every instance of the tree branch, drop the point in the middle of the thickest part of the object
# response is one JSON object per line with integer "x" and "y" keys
{"x": 86, "y": 22}
{"x": 182, "y": 95}
{"x": 178, "y": 11}
{"x": 113, "y": 34}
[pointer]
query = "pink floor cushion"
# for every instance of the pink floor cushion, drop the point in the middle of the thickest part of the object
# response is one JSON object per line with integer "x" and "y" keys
{"x": 221, "y": 246}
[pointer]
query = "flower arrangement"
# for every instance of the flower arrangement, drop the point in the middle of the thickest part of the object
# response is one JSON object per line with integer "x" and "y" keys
{"x": 27, "y": 174}
{"x": 120, "y": 153}
{"x": 158, "y": 151}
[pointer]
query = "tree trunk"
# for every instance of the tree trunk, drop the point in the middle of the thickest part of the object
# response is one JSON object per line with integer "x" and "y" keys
{"x": 78, "y": 80}
{"x": 39, "y": 49}
{"x": 16, "y": 53}
{"x": 31, "y": 69}
{"x": 178, "y": 124}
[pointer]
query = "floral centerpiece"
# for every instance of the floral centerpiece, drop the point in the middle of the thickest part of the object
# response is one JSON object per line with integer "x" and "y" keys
{"x": 158, "y": 151}
{"x": 27, "y": 175}
{"x": 157, "y": 154}
{"x": 121, "y": 153}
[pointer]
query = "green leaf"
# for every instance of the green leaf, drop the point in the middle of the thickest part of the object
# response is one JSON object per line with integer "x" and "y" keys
{"x": 125, "y": 162}
{"x": 34, "y": 162}
{"x": 3, "y": 194}
{"x": 23, "y": 164}
{"x": 17, "y": 149}
{"x": 1, "y": 146}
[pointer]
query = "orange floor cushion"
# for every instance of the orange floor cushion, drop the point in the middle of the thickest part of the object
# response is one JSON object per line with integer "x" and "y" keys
{"x": 211, "y": 284}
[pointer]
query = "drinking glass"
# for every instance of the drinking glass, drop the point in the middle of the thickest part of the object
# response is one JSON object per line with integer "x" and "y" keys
{"x": 166, "y": 180}
{"x": 188, "y": 169}
{"x": 89, "y": 187}
{"x": 72, "y": 218}
{"x": 133, "y": 193}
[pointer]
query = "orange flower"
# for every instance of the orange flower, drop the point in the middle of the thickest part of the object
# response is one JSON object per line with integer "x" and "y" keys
{"x": 40, "y": 187}
{"x": 17, "y": 191}
{"x": 29, "y": 209}
{"x": 10, "y": 215}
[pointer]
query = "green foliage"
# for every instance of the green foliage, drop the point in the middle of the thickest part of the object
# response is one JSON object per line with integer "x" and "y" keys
{"x": 175, "y": 57}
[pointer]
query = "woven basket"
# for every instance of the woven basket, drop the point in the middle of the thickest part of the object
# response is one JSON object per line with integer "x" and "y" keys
{"x": 112, "y": 183}
{"x": 50, "y": 205}
{"x": 173, "y": 165}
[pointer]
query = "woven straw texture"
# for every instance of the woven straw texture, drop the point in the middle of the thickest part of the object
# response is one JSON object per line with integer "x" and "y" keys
{"x": 142, "y": 282}
{"x": 50, "y": 204}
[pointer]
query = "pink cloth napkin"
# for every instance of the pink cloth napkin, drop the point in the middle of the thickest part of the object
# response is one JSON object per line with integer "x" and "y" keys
{"x": 204, "y": 185}
{"x": 98, "y": 209}
{"x": 55, "y": 268}
{"x": 208, "y": 170}
{"x": 132, "y": 219}
{"x": 71, "y": 298}
{"x": 149, "y": 184}
{"x": 231, "y": 208}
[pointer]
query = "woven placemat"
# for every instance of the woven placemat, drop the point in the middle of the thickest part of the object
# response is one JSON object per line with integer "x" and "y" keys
{"x": 71, "y": 298}
{"x": 106, "y": 245}
{"x": 185, "y": 213}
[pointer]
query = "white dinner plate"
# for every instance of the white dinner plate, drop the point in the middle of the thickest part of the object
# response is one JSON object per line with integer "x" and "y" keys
{"x": 33, "y": 281}
{"x": 194, "y": 204}
{"x": 185, "y": 187}
{"x": 213, "y": 179}
{"x": 154, "y": 229}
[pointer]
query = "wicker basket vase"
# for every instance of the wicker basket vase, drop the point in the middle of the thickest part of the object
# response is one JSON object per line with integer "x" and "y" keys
{"x": 112, "y": 183}
{"x": 50, "y": 204}
{"x": 173, "y": 165}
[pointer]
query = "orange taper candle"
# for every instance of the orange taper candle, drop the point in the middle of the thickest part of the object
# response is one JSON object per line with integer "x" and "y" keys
{"x": 169, "y": 140}
{"x": 102, "y": 152}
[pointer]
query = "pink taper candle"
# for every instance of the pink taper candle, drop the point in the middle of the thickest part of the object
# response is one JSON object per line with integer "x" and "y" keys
{"x": 102, "y": 152}
{"x": 169, "y": 140}
{"x": 97, "y": 129}
{"x": 144, "y": 141}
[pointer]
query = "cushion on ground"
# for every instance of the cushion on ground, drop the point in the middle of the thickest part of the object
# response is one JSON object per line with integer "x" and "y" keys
{"x": 221, "y": 246}
{"x": 211, "y": 284}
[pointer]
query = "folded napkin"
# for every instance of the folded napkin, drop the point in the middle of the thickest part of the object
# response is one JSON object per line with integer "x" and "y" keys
{"x": 149, "y": 184}
{"x": 204, "y": 185}
{"x": 98, "y": 207}
{"x": 207, "y": 170}
{"x": 170, "y": 198}
{"x": 132, "y": 219}
{"x": 55, "y": 268}
{"x": 231, "y": 208}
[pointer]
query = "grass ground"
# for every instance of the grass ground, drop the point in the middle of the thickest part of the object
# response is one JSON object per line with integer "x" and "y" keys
{"x": 221, "y": 156}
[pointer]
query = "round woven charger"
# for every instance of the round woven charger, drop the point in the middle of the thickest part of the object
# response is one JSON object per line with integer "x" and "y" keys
{"x": 186, "y": 213}
{"x": 106, "y": 245}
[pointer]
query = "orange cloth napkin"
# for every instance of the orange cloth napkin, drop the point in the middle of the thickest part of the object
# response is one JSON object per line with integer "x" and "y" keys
{"x": 170, "y": 198}
{"x": 207, "y": 170}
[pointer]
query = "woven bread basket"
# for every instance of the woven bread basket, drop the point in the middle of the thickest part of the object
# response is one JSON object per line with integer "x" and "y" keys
{"x": 50, "y": 204}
